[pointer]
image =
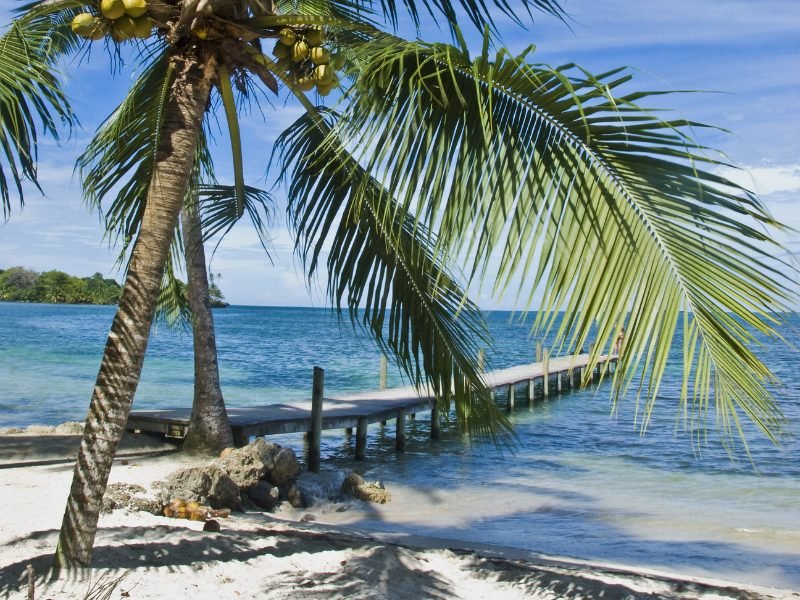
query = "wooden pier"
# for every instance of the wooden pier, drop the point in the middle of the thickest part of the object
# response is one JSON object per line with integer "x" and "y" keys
{"x": 548, "y": 377}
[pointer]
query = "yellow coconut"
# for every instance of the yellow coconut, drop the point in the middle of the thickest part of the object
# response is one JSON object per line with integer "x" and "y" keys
{"x": 281, "y": 50}
{"x": 135, "y": 8}
{"x": 99, "y": 31}
{"x": 323, "y": 74}
{"x": 319, "y": 56}
{"x": 323, "y": 89}
{"x": 144, "y": 26}
{"x": 305, "y": 84}
{"x": 112, "y": 9}
{"x": 83, "y": 25}
{"x": 299, "y": 51}
{"x": 124, "y": 28}
{"x": 287, "y": 36}
{"x": 315, "y": 37}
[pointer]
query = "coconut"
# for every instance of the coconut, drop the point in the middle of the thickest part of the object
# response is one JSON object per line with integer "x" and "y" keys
{"x": 99, "y": 31}
{"x": 299, "y": 51}
{"x": 281, "y": 50}
{"x": 319, "y": 56}
{"x": 83, "y": 25}
{"x": 287, "y": 36}
{"x": 323, "y": 89}
{"x": 143, "y": 27}
{"x": 124, "y": 28}
{"x": 305, "y": 84}
{"x": 112, "y": 9}
{"x": 205, "y": 8}
{"x": 315, "y": 37}
{"x": 323, "y": 74}
{"x": 135, "y": 8}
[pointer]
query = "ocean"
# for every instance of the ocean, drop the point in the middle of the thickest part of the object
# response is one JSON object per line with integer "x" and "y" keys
{"x": 581, "y": 482}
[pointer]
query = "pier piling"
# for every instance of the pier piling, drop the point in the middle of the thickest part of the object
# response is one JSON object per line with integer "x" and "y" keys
{"x": 315, "y": 437}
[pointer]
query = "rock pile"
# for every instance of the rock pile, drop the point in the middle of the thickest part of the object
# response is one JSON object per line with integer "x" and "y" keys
{"x": 260, "y": 475}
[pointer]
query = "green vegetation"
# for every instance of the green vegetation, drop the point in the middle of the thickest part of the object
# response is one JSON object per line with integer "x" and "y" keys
{"x": 18, "y": 284}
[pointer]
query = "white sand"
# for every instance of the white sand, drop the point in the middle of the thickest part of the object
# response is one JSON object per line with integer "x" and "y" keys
{"x": 138, "y": 555}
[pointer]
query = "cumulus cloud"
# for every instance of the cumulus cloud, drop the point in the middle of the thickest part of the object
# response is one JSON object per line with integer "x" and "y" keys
{"x": 766, "y": 180}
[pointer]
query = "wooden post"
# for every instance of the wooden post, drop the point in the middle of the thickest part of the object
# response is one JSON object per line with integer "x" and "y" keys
{"x": 546, "y": 373}
{"x": 531, "y": 391}
{"x": 315, "y": 437}
{"x": 361, "y": 439}
{"x": 539, "y": 351}
{"x": 348, "y": 432}
{"x": 559, "y": 382}
{"x": 384, "y": 371}
{"x": 436, "y": 425}
{"x": 510, "y": 405}
{"x": 400, "y": 431}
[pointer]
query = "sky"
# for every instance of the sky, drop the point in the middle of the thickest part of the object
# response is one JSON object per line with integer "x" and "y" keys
{"x": 744, "y": 56}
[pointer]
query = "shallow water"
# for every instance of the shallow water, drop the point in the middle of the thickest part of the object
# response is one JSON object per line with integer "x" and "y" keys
{"x": 579, "y": 484}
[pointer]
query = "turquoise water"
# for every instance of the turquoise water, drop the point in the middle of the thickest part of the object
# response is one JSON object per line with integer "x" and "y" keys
{"x": 579, "y": 484}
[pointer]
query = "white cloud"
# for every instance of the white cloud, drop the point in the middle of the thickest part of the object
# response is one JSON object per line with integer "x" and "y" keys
{"x": 766, "y": 180}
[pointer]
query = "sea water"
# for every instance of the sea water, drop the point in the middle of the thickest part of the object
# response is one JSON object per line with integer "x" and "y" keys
{"x": 580, "y": 482}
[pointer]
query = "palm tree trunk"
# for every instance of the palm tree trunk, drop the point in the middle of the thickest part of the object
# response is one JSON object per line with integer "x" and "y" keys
{"x": 127, "y": 341}
{"x": 209, "y": 427}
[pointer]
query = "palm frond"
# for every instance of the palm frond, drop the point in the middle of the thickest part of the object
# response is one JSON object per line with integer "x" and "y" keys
{"x": 384, "y": 269}
{"x": 31, "y": 100}
{"x": 555, "y": 178}
{"x": 118, "y": 162}
{"x": 219, "y": 211}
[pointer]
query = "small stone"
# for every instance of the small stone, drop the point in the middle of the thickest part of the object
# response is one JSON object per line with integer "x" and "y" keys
{"x": 307, "y": 518}
{"x": 355, "y": 486}
{"x": 211, "y": 525}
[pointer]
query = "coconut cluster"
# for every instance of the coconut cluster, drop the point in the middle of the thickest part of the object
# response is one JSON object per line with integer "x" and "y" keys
{"x": 302, "y": 56}
{"x": 121, "y": 19}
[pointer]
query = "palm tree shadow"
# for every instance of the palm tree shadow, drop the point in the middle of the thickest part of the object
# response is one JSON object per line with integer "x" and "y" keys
{"x": 370, "y": 570}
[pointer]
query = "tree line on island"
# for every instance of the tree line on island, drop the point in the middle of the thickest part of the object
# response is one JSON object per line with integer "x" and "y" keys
{"x": 436, "y": 160}
{"x": 19, "y": 284}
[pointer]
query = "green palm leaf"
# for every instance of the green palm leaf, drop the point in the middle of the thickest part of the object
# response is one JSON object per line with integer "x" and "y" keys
{"x": 543, "y": 175}
{"x": 384, "y": 268}
{"x": 31, "y": 100}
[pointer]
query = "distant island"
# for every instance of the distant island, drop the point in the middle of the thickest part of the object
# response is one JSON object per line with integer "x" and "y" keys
{"x": 19, "y": 284}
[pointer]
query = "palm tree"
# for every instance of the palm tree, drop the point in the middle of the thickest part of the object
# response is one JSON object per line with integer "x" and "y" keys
{"x": 436, "y": 160}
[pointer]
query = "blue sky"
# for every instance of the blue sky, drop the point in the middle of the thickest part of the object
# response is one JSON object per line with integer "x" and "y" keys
{"x": 747, "y": 53}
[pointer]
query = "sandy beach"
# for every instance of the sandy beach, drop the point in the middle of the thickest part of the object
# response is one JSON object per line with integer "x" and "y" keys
{"x": 294, "y": 553}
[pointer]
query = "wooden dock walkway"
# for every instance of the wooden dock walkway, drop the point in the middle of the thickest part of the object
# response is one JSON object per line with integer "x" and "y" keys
{"x": 540, "y": 379}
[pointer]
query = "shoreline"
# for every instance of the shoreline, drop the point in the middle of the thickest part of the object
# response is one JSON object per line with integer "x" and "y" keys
{"x": 280, "y": 555}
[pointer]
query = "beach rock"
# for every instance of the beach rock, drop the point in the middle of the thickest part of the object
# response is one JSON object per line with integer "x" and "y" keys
{"x": 39, "y": 430}
{"x": 285, "y": 466}
{"x": 248, "y": 465}
{"x": 209, "y": 484}
{"x": 355, "y": 486}
{"x": 130, "y": 497}
{"x": 296, "y": 497}
{"x": 259, "y": 460}
{"x": 264, "y": 495}
{"x": 69, "y": 428}
{"x": 12, "y": 431}
{"x": 211, "y": 525}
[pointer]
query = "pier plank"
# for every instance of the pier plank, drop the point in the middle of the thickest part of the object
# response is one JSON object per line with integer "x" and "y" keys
{"x": 347, "y": 411}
